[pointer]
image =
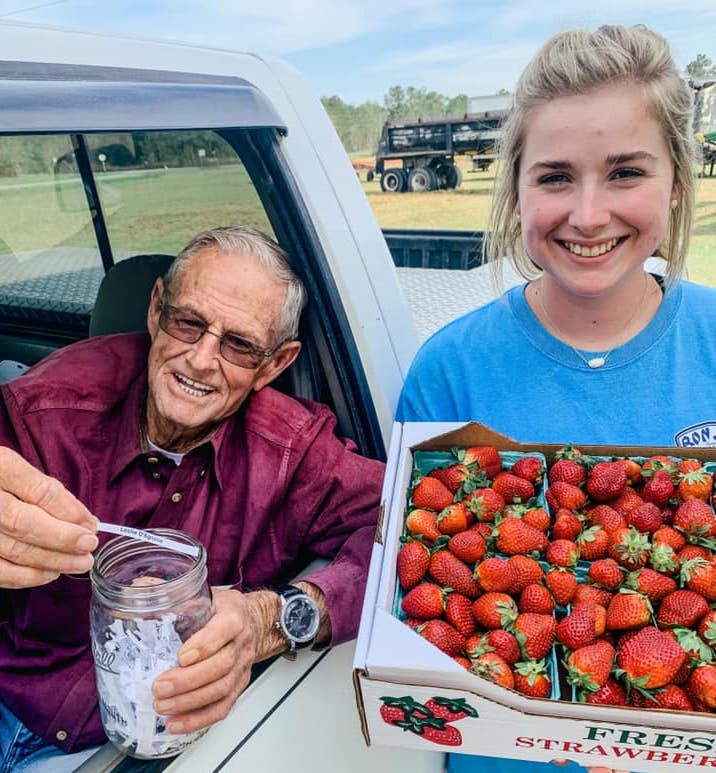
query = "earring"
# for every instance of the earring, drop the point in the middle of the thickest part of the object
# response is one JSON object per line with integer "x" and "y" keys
{"x": 674, "y": 203}
{"x": 518, "y": 217}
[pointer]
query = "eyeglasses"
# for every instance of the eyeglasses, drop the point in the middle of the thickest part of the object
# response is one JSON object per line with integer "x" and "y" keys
{"x": 189, "y": 328}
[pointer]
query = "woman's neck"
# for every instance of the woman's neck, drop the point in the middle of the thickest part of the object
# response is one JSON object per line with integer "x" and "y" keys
{"x": 599, "y": 323}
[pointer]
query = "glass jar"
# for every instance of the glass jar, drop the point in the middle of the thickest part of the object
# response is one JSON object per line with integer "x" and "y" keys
{"x": 146, "y": 602}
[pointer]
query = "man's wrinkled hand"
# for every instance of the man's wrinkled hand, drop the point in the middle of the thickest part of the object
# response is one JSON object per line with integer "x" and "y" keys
{"x": 44, "y": 530}
{"x": 214, "y": 668}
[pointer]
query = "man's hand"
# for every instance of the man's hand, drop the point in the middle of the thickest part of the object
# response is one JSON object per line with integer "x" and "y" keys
{"x": 214, "y": 667}
{"x": 44, "y": 530}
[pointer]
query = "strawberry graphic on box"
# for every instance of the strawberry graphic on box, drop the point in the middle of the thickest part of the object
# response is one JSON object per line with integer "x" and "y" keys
{"x": 431, "y": 720}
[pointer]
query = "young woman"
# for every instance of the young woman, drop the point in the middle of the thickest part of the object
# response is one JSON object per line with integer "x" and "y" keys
{"x": 596, "y": 177}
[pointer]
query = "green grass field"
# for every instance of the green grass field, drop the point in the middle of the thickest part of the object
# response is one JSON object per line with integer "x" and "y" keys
{"x": 159, "y": 210}
{"x": 468, "y": 208}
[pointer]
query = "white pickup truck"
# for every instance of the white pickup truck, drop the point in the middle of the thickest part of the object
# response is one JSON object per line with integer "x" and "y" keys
{"x": 112, "y": 148}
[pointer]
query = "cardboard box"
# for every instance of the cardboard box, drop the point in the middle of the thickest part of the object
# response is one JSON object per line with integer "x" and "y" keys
{"x": 392, "y": 661}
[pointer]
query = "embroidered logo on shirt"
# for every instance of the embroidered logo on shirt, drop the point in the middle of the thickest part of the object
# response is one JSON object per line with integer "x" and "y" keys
{"x": 701, "y": 435}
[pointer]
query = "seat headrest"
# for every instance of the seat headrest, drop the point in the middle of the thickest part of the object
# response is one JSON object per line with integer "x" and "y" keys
{"x": 123, "y": 297}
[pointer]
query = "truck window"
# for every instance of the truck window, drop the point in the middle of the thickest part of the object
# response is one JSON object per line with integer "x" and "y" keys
{"x": 139, "y": 192}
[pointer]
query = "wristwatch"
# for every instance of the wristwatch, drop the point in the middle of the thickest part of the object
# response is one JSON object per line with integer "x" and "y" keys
{"x": 299, "y": 619}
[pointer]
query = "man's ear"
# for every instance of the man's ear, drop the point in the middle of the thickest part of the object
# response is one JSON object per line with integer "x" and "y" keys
{"x": 282, "y": 358}
{"x": 153, "y": 310}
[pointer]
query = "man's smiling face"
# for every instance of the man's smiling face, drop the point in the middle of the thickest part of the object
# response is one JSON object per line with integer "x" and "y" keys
{"x": 192, "y": 388}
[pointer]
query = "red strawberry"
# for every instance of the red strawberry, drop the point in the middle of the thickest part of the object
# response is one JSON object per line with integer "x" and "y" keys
{"x": 707, "y": 628}
{"x": 453, "y": 519}
{"x": 606, "y": 517}
{"x": 699, "y": 574}
{"x": 485, "y": 504}
{"x": 696, "y": 484}
{"x": 673, "y": 698}
{"x": 649, "y": 658}
{"x": 497, "y": 640}
{"x": 423, "y": 523}
{"x": 526, "y": 570}
{"x": 561, "y": 494}
{"x": 431, "y": 494}
{"x": 495, "y": 574}
{"x": 513, "y": 536}
{"x": 629, "y": 548}
{"x": 413, "y": 561}
{"x": 611, "y": 694}
{"x": 450, "y": 709}
{"x": 531, "y": 468}
{"x": 628, "y": 609}
{"x": 484, "y": 458}
{"x": 535, "y": 634}
{"x": 589, "y": 667}
{"x": 562, "y": 552}
{"x": 682, "y": 607}
{"x": 425, "y": 601}
{"x": 537, "y": 517}
{"x": 654, "y": 585}
{"x": 626, "y": 502}
{"x": 607, "y": 573}
{"x": 606, "y": 481}
{"x": 659, "y": 462}
{"x": 582, "y": 626}
{"x": 452, "y": 477}
{"x": 443, "y": 636}
{"x": 489, "y": 665}
{"x": 667, "y": 535}
{"x": 532, "y": 678}
{"x": 693, "y": 551}
{"x": 512, "y": 488}
{"x": 589, "y": 594}
{"x": 450, "y": 572}
{"x": 593, "y": 543}
{"x": 695, "y": 520}
{"x": 395, "y": 710}
{"x": 632, "y": 468}
{"x": 468, "y": 546}
{"x": 702, "y": 684}
{"x": 536, "y": 598}
{"x": 659, "y": 489}
{"x": 567, "y": 471}
{"x": 567, "y": 525}
{"x": 646, "y": 517}
{"x": 458, "y": 612}
{"x": 495, "y": 610}
{"x": 562, "y": 583}
{"x": 663, "y": 559}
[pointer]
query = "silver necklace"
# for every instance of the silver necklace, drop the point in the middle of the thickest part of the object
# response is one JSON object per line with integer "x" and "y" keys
{"x": 599, "y": 360}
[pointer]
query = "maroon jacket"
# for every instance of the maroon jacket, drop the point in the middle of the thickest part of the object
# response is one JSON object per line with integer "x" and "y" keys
{"x": 271, "y": 490}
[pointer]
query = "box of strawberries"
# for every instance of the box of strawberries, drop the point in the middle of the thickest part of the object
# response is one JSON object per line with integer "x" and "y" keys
{"x": 542, "y": 601}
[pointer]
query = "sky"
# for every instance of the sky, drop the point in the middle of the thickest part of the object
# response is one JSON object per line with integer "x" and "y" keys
{"x": 357, "y": 50}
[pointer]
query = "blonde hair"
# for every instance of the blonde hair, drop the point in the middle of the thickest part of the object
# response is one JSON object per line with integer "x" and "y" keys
{"x": 573, "y": 63}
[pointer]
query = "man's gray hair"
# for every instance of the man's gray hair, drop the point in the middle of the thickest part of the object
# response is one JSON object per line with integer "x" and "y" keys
{"x": 241, "y": 240}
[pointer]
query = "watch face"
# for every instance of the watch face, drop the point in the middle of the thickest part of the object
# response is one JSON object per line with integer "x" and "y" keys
{"x": 300, "y": 619}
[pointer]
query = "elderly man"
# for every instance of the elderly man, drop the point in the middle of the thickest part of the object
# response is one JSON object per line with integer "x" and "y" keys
{"x": 176, "y": 429}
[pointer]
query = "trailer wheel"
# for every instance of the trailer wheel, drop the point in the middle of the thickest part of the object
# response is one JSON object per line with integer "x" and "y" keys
{"x": 393, "y": 181}
{"x": 421, "y": 178}
{"x": 370, "y": 175}
{"x": 453, "y": 176}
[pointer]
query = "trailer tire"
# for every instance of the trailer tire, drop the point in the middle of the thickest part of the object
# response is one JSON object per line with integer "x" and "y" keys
{"x": 453, "y": 176}
{"x": 370, "y": 175}
{"x": 393, "y": 181}
{"x": 421, "y": 179}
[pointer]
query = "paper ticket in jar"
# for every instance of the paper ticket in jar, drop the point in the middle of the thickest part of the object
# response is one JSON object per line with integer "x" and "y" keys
{"x": 149, "y": 536}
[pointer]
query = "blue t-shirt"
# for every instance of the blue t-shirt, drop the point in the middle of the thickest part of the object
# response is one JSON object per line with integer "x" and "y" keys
{"x": 500, "y": 366}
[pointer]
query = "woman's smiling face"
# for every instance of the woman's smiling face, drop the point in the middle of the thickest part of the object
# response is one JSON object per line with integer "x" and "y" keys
{"x": 595, "y": 187}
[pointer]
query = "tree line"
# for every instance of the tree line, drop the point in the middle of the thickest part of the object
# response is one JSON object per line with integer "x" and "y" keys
{"x": 359, "y": 126}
